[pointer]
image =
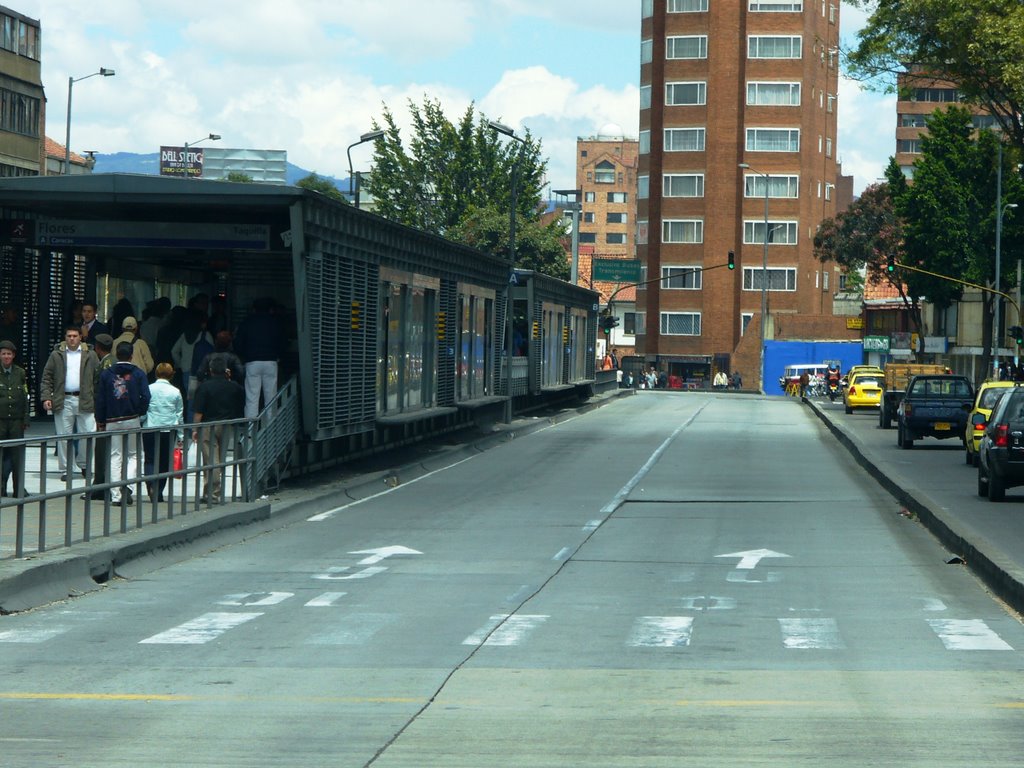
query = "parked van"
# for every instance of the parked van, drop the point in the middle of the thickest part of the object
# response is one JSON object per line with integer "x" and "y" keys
{"x": 791, "y": 374}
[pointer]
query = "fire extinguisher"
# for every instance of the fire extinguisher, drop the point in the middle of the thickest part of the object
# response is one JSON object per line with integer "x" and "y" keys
{"x": 179, "y": 459}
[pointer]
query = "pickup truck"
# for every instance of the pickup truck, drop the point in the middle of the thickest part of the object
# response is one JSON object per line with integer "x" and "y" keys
{"x": 934, "y": 406}
{"x": 897, "y": 376}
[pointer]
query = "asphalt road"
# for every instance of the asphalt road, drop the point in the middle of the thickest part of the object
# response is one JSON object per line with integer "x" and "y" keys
{"x": 672, "y": 580}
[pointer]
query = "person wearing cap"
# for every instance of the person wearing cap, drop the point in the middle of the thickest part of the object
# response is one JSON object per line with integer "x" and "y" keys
{"x": 13, "y": 413}
{"x": 68, "y": 389}
{"x": 104, "y": 343}
{"x": 141, "y": 355}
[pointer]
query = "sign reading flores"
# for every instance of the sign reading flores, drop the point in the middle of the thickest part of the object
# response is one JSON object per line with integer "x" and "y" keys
{"x": 55, "y": 233}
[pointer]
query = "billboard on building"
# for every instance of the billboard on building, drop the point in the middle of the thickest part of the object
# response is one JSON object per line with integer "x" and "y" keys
{"x": 181, "y": 162}
{"x": 267, "y": 166}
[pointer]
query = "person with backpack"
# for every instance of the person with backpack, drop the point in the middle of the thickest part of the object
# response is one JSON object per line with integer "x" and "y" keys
{"x": 122, "y": 400}
{"x": 141, "y": 354}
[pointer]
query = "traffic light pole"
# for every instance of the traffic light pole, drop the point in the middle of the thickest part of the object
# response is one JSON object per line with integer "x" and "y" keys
{"x": 611, "y": 299}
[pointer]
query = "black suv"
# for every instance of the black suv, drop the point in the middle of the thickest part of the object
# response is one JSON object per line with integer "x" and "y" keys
{"x": 1001, "y": 451}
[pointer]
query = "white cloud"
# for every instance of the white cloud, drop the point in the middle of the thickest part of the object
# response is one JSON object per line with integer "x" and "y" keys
{"x": 867, "y": 132}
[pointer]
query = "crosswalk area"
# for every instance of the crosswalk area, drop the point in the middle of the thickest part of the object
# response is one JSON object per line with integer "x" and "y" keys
{"x": 334, "y": 624}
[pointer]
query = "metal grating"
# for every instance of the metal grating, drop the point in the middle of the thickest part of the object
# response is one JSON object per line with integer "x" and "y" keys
{"x": 447, "y": 307}
{"x": 501, "y": 334}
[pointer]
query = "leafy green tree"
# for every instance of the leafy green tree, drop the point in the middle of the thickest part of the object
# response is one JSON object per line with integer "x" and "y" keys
{"x": 239, "y": 178}
{"x": 454, "y": 179}
{"x": 977, "y": 45}
{"x": 540, "y": 248}
{"x": 315, "y": 183}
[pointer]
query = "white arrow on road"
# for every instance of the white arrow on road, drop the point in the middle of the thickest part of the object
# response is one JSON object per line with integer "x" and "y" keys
{"x": 752, "y": 557}
{"x": 382, "y": 553}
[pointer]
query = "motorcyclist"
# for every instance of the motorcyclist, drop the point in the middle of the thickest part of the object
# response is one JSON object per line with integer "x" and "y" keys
{"x": 832, "y": 376}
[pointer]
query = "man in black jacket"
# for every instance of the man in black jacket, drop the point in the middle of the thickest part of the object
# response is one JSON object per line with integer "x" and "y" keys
{"x": 217, "y": 399}
{"x": 260, "y": 342}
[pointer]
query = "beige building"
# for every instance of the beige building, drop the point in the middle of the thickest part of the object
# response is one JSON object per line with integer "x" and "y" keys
{"x": 724, "y": 84}
{"x": 22, "y": 101}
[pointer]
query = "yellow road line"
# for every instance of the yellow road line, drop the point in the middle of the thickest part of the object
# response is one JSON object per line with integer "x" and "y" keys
{"x": 39, "y": 696}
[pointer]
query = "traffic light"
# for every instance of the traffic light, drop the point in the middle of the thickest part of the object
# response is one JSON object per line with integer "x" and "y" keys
{"x": 607, "y": 323}
{"x": 732, "y": 259}
{"x": 1016, "y": 333}
{"x": 891, "y": 263}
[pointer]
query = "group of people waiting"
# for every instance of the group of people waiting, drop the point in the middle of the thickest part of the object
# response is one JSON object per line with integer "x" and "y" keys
{"x": 166, "y": 371}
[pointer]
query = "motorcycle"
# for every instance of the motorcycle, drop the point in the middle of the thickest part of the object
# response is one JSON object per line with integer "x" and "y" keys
{"x": 833, "y": 389}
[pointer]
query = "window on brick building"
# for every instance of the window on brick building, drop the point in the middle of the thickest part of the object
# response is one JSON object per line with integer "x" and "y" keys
{"x": 616, "y": 197}
{"x": 683, "y": 185}
{"x": 776, "y": 6}
{"x": 684, "y": 139}
{"x": 604, "y": 173}
{"x": 745, "y": 318}
{"x": 779, "y": 278}
{"x": 643, "y": 187}
{"x": 588, "y": 237}
{"x": 773, "y": 94}
{"x": 644, "y": 144}
{"x": 680, "y": 323}
{"x": 779, "y": 232}
{"x": 686, "y": 47}
{"x": 646, "y": 51}
{"x": 645, "y": 97}
{"x": 773, "y": 139}
{"x": 685, "y": 94}
{"x": 588, "y": 197}
{"x": 615, "y": 218}
{"x": 778, "y": 186}
{"x": 615, "y": 238}
{"x": 774, "y": 46}
{"x": 682, "y": 231}
{"x": 687, "y": 6}
{"x": 682, "y": 278}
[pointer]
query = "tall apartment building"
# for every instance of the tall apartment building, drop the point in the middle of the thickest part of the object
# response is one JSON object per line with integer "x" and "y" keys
{"x": 725, "y": 83}
{"x": 22, "y": 101}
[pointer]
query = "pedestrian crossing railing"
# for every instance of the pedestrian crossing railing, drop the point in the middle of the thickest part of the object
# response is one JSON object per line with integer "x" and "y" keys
{"x": 273, "y": 434}
{"x": 45, "y": 508}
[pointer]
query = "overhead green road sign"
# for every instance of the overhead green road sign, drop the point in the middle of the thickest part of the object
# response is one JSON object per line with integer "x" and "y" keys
{"x": 617, "y": 270}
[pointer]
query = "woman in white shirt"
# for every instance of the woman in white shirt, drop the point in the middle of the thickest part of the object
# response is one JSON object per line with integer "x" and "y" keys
{"x": 166, "y": 409}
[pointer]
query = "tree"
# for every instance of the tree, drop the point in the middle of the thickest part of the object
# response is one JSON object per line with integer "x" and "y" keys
{"x": 540, "y": 248}
{"x": 239, "y": 178}
{"x": 978, "y": 46}
{"x": 455, "y": 179}
{"x": 315, "y": 183}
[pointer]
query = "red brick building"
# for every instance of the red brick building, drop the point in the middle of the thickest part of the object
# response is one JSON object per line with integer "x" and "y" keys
{"x": 722, "y": 84}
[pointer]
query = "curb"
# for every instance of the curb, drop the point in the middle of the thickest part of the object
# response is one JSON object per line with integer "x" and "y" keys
{"x": 984, "y": 558}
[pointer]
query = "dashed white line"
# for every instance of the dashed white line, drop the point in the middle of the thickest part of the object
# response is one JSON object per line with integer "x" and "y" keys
{"x": 661, "y": 631}
{"x": 822, "y": 634}
{"x": 968, "y": 635}
{"x": 201, "y": 630}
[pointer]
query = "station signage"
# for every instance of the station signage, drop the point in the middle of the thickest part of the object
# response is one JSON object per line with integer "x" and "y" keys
{"x": 57, "y": 234}
{"x": 183, "y": 162}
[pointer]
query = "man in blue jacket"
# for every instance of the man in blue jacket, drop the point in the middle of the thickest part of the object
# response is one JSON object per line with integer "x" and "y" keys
{"x": 122, "y": 399}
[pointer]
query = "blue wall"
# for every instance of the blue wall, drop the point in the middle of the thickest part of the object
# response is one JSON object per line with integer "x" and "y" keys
{"x": 779, "y": 354}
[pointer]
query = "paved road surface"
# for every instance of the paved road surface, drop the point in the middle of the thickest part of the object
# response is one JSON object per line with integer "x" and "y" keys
{"x": 673, "y": 580}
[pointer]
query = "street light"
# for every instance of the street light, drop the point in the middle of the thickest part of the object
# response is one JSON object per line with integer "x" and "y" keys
{"x": 368, "y": 136}
{"x": 576, "y": 195}
{"x": 504, "y": 129}
{"x": 210, "y": 137}
{"x": 103, "y": 72}
{"x": 764, "y": 269}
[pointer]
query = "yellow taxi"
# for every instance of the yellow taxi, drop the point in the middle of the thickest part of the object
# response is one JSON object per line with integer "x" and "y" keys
{"x": 864, "y": 369}
{"x": 984, "y": 401}
{"x": 863, "y": 390}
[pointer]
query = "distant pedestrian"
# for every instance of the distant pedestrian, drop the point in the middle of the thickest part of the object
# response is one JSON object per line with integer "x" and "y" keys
{"x": 260, "y": 342}
{"x": 737, "y": 380}
{"x": 91, "y": 327}
{"x": 122, "y": 400}
{"x": 103, "y": 347}
{"x": 142, "y": 356}
{"x": 217, "y": 399}
{"x": 13, "y": 415}
{"x": 166, "y": 409}
{"x": 222, "y": 348}
{"x": 805, "y": 380}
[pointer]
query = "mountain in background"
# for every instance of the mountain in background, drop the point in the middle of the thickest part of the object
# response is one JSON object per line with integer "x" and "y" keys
{"x": 131, "y": 162}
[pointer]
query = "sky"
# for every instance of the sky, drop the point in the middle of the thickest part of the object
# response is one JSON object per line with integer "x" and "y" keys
{"x": 311, "y": 76}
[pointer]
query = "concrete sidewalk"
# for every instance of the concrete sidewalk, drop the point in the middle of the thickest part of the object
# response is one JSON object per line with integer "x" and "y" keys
{"x": 67, "y": 571}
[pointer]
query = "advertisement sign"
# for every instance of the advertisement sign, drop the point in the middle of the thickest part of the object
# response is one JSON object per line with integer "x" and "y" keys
{"x": 181, "y": 162}
{"x": 876, "y": 343}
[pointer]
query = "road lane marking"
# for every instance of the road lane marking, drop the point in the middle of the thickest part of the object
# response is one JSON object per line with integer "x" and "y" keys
{"x": 592, "y": 525}
{"x": 332, "y": 512}
{"x": 333, "y": 573}
{"x": 31, "y": 635}
{"x": 818, "y": 634}
{"x": 751, "y": 557}
{"x": 968, "y": 635}
{"x": 353, "y": 629}
{"x": 932, "y": 604}
{"x": 708, "y": 603}
{"x": 256, "y": 598}
{"x": 327, "y": 599}
{"x": 562, "y": 554}
{"x": 505, "y": 630}
{"x": 201, "y": 630}
{"x": 661, "y": 632}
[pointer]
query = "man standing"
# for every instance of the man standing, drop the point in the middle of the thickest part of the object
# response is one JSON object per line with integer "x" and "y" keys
{"x": 122, "y": 399}
{"x": 141, "y": 354}
{"x": 13, "y": 414}
{"x": 217, "y": 399}
{"x": 91, "y": 327}
{"x": 68, "y": 389}
{"x": 260, "y": 342}
{"x": 103, "y": 346}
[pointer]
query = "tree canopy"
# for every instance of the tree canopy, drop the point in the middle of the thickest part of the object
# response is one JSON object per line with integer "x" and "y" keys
{"x": 977, "y": 45}
{"x": 455, "y": 180}
{"x": 315, "y": 183}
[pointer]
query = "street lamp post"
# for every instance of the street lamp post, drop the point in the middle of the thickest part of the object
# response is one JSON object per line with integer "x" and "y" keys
{"x": 764, "y": 270}
{"x": 504, "y": 129}
{"x": 576, "y": 195}
{"x": 210, "y": 137}
{"x": 103, "y": 72}
{"x": 368, "y": 136}
{"x": 999, "y": 299}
